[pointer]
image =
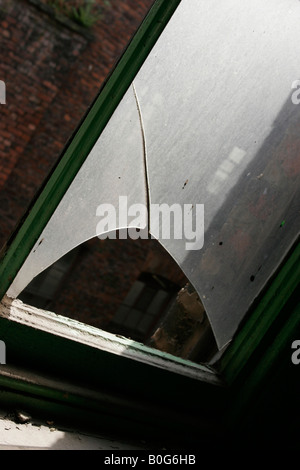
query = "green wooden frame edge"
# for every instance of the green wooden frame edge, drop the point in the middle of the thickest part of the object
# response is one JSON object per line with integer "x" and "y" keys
{"x": 251, "y": 335}
{"x": 81, "y": 406}
{"x": 245, "y": 397}
{"x": 29, "y": 229}
{"x": 262, "y": 317}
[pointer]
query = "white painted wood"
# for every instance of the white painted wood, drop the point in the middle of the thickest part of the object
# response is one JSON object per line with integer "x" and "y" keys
{"x": 58, "y": 325}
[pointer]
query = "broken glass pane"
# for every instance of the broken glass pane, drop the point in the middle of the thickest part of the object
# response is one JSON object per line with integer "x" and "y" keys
{"x": 215, "y": 124}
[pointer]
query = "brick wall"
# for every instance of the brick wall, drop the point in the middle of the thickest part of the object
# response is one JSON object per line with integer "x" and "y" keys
{"x": 103, "y": 274}
{"x": 52, "y": 74}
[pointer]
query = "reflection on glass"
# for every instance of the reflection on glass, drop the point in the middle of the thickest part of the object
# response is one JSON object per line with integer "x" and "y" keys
{"x": 128, "y": 287}
{"x": 55, "y": 56}
{"x": 218, "y": 127}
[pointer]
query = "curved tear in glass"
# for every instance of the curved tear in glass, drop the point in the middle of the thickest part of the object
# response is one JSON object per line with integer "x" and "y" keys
{"x": 131, "y": 288}
{"x": 114, "y": 167}
{"x": 218, "y": 123}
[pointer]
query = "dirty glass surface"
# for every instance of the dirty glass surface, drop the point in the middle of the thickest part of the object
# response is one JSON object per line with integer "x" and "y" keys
{"x": 114, "y": 167}
{"x": 221, "y": 125}
{"x": 55, "y": 57}
{"x": 220, "y": 119}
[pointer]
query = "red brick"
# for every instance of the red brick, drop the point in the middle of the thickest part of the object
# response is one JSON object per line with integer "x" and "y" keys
{"x": 61, "y": 71}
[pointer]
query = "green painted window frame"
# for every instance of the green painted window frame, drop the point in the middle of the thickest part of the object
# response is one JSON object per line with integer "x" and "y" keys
{"x": 93, "y": 383}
